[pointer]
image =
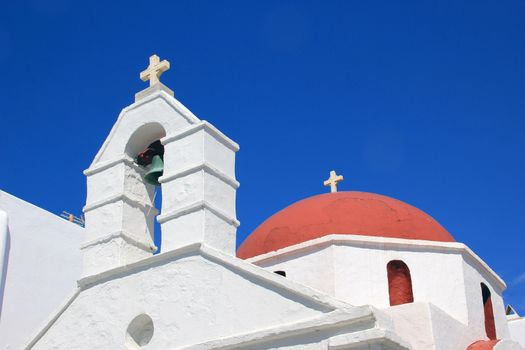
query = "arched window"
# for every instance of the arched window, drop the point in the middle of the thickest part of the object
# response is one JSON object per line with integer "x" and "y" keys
{"x": 490, "y": 327}
{"x": 399, "y": 283}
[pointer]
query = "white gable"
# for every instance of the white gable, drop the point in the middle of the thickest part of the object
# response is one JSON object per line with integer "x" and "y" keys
{"x": 193, "y": 296}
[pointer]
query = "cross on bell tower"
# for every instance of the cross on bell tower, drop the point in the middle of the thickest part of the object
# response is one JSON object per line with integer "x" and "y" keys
{"x": 333, "y": 180}
{"x": 155, "y": 69}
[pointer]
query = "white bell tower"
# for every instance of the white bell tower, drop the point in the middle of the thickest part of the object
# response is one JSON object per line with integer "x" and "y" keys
{"x": 198, "y": 183}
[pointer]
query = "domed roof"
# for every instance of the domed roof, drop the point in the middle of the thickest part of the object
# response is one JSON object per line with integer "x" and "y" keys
{"x": 356, "y": 213}
{"x": 483, "y": 345}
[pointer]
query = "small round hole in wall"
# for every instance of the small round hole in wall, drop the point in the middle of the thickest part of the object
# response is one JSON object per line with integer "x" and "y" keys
{"x": 139, "y": 332}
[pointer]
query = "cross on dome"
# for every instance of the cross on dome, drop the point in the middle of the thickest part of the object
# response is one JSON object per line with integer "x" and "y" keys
{"x": 333, "y": 180}
{"x": 154, "y": 70}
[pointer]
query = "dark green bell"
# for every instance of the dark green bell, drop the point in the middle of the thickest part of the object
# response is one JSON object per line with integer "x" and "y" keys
{"x": 155, "y": 171}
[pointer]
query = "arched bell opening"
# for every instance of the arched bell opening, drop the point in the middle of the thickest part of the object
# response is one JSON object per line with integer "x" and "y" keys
{"x": 147, "y": 152}
{"x": 143, "y": 137}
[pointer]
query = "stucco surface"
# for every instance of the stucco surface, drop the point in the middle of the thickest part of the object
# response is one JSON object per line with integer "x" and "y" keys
{"x": 517, "y": 330}
{"x": 198, "y": 186}
{"x": 42, "y": 264}
{"x": 313, "y": 268}
{"x": 474, "y": 276}
{"x": 356, "y": 272}
{"x": 428, "y": 327}
{"x": 446, "y": 277}
{"x": 507, "y": 344}
{"x": 190, "y": 300}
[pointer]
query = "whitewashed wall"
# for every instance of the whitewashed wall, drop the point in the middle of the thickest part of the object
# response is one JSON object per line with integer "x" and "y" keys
{"x": 361, "y": 277}
{"x": 198, "y": 302}
{"x": 473, "y": 277}
{"x": 426, "y": 327}
{"x": 353, "y": 269}
{"x": 357, "y": 274}
{"x": 517, "y": 330}
{"x": 189, "y": 300}
{"x": 198, "y": 186}
{"x": 43, "y": 265}
{"x": 312, "y": 267}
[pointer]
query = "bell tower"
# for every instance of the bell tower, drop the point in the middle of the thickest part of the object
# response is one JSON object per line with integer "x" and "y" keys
{"x": 158, "y": 144}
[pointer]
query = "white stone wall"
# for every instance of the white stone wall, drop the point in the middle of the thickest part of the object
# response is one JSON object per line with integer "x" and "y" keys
{"x": 196, "y": 298}
{"x": 474, "y": 275}
{"x": 517, "y": 330}
{"x": 445, "y": 275}
{"x": 361, "y": 277}
{"x": 42, "y": 264}
{"x": 198, "y": 186}
{"x": 311, "y": 267}
{"x": 357, "y": 274}
{"x": 193, "y": 300}
{"x": 426, "y": 327}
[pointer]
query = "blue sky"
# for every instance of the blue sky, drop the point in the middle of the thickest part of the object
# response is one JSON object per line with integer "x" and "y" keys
{"x": 420, "y": 100}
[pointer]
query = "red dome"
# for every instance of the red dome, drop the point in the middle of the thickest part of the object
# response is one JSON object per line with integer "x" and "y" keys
{"x": 483, "y": 345}
{"x": 356, "y": 213}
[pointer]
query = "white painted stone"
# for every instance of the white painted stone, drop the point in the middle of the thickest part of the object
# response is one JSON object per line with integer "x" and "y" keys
{"x": 474, "y": 275}
{"x": 517, "y": 330}
{"x": 195, "y": 296}
{"x": 507, "y": 344}
{"x": 198, "y": 186}
{"x": 446, "y": 281}
{"x": 425, "y": 326}
{"x": 312, "y": 267}
{"x": 41, "y": 262}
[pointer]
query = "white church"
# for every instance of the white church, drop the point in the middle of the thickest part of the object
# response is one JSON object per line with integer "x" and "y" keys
{"x": 336, "y": 271}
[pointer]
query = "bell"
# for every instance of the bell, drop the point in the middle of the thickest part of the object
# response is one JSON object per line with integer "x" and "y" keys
{"x": 153, "y": 174}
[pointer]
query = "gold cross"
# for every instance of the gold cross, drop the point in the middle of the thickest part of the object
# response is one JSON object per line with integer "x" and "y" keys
{"x": 333, "y": 180}
{"x": 154, "y": 70}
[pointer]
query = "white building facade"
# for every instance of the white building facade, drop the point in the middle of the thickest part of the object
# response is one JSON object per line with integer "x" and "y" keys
{"x": 343, "y": 270}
